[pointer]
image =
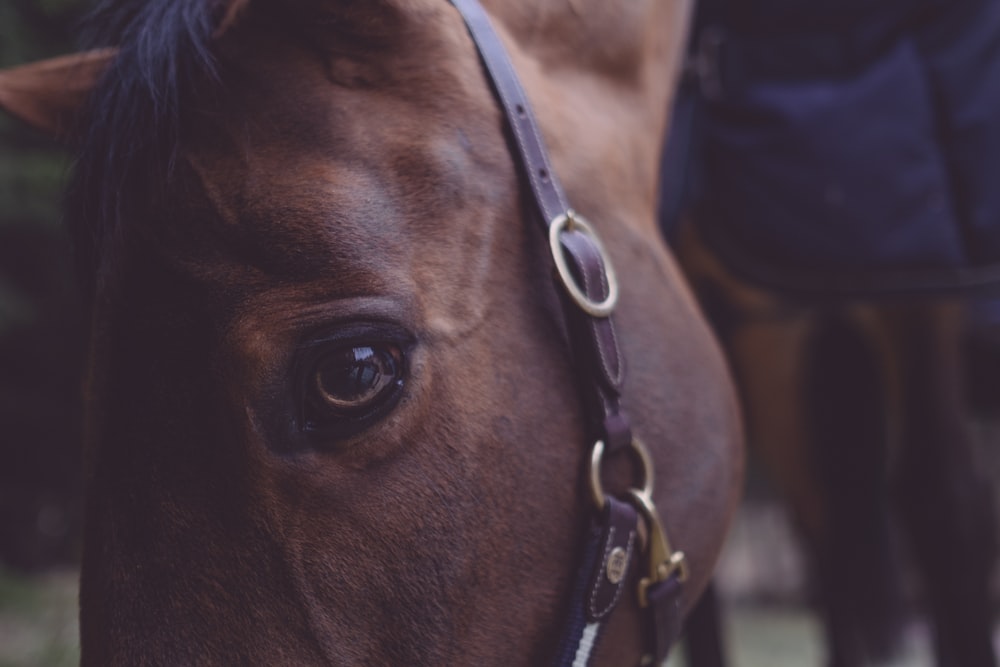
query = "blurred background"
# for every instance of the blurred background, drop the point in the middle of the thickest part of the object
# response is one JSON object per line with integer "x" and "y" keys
{"x": 41, "y": 359}
{"x": 767, "y": 591}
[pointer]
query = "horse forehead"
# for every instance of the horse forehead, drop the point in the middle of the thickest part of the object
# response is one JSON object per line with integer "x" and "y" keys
{"x": 367, "y": 199}
{"x": 334, "y": 162}
{"x": 311, "y": 216}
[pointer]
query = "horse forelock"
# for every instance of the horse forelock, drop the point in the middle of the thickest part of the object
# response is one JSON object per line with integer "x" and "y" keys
{"x": 130, "y": 130}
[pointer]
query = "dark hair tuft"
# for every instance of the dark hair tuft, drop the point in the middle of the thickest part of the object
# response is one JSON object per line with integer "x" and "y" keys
{"x": 131, "y": 128}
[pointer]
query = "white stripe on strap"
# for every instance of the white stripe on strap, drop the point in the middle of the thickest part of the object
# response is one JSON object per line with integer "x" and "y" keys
{"x": 582, "y": 658}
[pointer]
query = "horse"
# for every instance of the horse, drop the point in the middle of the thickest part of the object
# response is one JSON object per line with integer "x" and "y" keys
{"x": 856, "y": 410}
{"x": 332, "y": 415}
{"x": 839, "y": 216}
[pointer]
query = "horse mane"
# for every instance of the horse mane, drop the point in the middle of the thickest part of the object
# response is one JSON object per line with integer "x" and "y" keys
{"x": 130, "y": 131}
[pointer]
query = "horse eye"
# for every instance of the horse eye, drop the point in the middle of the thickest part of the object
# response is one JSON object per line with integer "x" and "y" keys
{"x": 350, "y": 384}
{"x": 353, "y": 377}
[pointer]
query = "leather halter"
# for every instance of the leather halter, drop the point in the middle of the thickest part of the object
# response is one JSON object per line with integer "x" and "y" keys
{"x": 625, "y": 530}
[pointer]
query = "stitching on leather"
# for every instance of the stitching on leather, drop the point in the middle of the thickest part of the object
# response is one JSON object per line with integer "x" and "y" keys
{"x": 620, "y": 586}
{"x": 594, "y": 324}
{"x": 614, "y": 376}
{"x": 620, "y": 375}
{"x": 595, "y": 330}
{"x": 608, "y": 548}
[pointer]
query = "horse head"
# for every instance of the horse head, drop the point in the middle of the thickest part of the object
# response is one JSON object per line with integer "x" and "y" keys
{"x": 333, "y": 416}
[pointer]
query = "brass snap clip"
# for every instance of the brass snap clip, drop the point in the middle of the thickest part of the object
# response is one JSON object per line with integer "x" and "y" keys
{"x": 662, "y": 560}
{"x": 572, "y": 221}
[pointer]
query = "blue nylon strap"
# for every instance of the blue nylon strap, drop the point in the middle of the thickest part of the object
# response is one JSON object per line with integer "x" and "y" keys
{"x": 575, "y": 620}
{"x": 601, "y": 580}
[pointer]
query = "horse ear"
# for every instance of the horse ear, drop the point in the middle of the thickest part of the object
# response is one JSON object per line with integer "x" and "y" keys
{"x": 50, "y": 93}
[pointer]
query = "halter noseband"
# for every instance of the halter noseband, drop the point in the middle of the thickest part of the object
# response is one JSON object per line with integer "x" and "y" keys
{"x": 625, "y": 530}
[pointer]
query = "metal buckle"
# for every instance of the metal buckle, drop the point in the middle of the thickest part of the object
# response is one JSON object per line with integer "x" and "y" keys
{"x": 572, "y": 221}
{"x": 662, "y": 561}
{"x": 597, "y": 458}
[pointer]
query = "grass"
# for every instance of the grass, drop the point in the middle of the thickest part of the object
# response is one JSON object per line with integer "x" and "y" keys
{"x": 38, "y": 625}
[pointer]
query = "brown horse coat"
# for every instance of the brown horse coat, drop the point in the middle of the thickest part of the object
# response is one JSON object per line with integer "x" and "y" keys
{"x": 348, "y": 182}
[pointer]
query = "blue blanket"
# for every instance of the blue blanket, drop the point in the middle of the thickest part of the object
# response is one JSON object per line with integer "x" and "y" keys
{"x": 851, "y": 145}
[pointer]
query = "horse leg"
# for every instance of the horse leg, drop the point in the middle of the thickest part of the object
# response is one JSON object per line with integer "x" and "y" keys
{"x": 767, "y": 341}
{"x": 845, "y": 415}
{"x": 770, "y": 364}
{"x": 945, "y": 502}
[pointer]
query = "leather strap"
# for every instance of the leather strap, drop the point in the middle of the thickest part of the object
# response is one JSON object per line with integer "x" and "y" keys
{"x": 664, "y": 617}
{"x": 595, "y": 593}
{"x": 596, "y": 347}
{"x": 609, "y": 576}
{"x": 600, "y": 353}
{"x": 527, "y": 135}
{"x": 599, "y": 361}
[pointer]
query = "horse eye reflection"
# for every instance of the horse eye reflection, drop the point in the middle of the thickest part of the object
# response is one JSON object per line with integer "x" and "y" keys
{"x": 356, "y": 378}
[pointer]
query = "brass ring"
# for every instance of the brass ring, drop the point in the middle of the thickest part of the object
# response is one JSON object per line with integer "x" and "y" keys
{"x": 596, "y": 486}
{"x": 571, "y": 220}
{"x": 647, "y": 467}
{"x": 597, "y": 458}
